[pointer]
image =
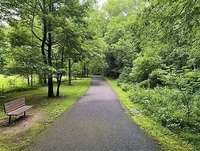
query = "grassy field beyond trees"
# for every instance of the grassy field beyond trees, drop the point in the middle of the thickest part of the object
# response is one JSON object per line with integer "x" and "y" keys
{"x": 14, "y": 82}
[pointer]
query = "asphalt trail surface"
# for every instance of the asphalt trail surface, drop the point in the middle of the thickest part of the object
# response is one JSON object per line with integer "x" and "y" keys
{"x": 97, "y": 122}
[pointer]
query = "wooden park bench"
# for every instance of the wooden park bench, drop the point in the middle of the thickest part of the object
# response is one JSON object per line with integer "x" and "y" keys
{"x": 16, "y": 108}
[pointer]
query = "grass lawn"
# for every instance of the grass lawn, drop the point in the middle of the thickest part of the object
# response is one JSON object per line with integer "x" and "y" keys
{"x": 50, "y": 109}
{"x": 167, "y": 140}
{"x": 14, "y": 82}
{"x": 10, "y": 81}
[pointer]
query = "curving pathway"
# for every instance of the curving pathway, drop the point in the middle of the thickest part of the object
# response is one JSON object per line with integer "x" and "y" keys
{"x": 97, "y": 122}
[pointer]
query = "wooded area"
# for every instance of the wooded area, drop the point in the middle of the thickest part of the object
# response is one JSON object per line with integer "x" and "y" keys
{"x": 151, "y": 47}
{"x": 47, "y": 38}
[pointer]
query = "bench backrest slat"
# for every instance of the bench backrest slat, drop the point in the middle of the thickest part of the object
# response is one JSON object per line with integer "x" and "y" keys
{"x": 14, "y": 105}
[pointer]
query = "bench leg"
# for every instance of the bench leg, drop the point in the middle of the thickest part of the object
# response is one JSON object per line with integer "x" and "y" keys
{"x": 24, "y": 114}
{"x": 9, "y": 122}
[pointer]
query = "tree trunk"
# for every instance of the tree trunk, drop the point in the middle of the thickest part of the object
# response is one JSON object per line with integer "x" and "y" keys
{"x": 50, "y": 75}
{"x": 28, "y": 80}
{"x": 84, "y": 70}
{"x": 59, "y": 75}
{"x": 50, "y": 85}
{"x": 44, "y": 79}
{"x": 59, "y": 80}
{"x": 87, "y": 72}
{"x": 31, "y": 80}
{"x": 49, "y": 58}
{"x": 69, "y": 72}
{"x": 44, "y": 39}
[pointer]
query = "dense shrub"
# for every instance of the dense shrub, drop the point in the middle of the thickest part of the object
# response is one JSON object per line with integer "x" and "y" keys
{"x": 124, "y": 76}
{"x": 143, "y": 66}
{"x": 168, "y": 106}
{"x": 158, "y": 78}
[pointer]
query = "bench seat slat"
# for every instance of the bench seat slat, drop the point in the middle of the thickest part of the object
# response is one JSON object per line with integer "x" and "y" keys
{"x": 20, "y": 110}
{"x": 14, "y": 105}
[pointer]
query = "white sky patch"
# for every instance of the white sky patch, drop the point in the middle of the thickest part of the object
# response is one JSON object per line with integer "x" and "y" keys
{"x": 3, "y": 23}
{"x": 101, "y": 2}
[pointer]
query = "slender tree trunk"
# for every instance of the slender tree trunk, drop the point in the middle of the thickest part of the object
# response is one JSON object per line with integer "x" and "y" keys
{"x": 40, "y": 78}
{"x": 87, "y": 73}
{"x": 28, "y": 80}
{"x": 59, "y": 75}
{"x": 84, "y": 70}
{"x": 49, "y": 57}
{"x": 50, "y": 85}
{"x": 69, "y": 72}
{"x": 44, "y": 39}
{"x": 59, "y": 80}
{"x": 43, "y": 47}
{"x": 50, "y": 75}
{"x": 31, "y": 80}
{"x": 44, "y": 79}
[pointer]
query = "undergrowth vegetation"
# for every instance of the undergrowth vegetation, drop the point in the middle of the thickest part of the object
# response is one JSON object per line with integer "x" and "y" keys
{"x": 167, "y": 139}
{"x": 172, "y": 108}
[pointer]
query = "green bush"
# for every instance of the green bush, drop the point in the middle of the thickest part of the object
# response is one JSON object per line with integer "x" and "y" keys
{"x": 167, "y": 106}
{"x": 124, "y": 76}
{"x": 143, "y": 66}
{"x": 158, "y": 78}
{"x": 124, "y": 86}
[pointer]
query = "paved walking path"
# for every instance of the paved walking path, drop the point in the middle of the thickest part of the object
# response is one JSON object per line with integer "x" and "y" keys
{"x": 97, "y": 122}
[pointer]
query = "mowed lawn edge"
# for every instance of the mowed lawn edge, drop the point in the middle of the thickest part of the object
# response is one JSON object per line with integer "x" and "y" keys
{"x": 165, "y": 138}
{"x": 52, "y": 108}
